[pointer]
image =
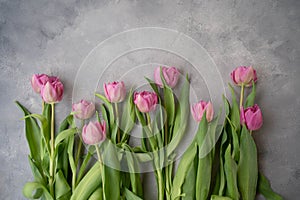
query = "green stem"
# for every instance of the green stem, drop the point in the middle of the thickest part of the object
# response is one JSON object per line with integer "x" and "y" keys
{"x": 101, "y": 170}
{"x": 242, "y": 95}
{"x": 117, "y": 121}
{"x": 51, "y": 181}
{"x": 160, "y": 184}
{"x": 149, "y": 122}
{"x": 78, "y": 154}
{"x": 158, "y": 171}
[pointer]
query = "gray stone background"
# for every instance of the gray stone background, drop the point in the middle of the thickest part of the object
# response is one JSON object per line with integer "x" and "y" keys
{"x": 55, "y": 36}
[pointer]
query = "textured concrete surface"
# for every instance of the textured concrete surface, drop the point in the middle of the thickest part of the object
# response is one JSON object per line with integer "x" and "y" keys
{"x": 55, "y": 36}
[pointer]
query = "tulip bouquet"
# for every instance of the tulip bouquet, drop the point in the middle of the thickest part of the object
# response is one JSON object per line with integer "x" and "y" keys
{"x": 219, "y": 164}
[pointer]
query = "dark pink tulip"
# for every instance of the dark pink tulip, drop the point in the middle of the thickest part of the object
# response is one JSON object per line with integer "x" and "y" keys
{"x": 252, "y": 117}
{"x": 145, "y": 101}
{"x": 243, "y": 75}
{"x": 94, "y": 132}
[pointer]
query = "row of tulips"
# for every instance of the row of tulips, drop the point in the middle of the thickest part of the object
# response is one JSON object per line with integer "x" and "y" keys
{"x": 219, "y": 164}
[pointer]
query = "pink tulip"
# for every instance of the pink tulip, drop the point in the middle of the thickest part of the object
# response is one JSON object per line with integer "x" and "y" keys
{"x": 115, "y": 92}
{"x": 38, "y": 81}
{"x": 244, "y": 75}
{"x": 199, "y": 108}
{"x": 52, "y": 91}
{"x": 145, "y": 101}
{"x": 252, "y": 117}
{"x": 170, "y": 74}
{"x": 94, "y": 132}
{"x": 83, "y": 109}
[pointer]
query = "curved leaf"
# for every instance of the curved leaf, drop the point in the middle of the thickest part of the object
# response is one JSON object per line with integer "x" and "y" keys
{"x": 64, "y": 134}
{"x": 34, "y": 190}
{"x": 33, "y": 134}
{"x": 265, "y": 189}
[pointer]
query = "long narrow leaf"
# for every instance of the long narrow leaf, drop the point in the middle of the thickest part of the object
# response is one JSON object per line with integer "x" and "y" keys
{"x": 247, "y": 168}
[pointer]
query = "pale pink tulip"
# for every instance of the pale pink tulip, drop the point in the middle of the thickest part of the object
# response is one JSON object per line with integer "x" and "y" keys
{"x": 170, "y": 74}
{"x": 145, "y": 101}
{"x": 83, "y": 109}
{"x": 244, "y": 75}
{"x": 115, "y": 92}
{"x": 94, "y": 132}
{"x": 199, "y": 108}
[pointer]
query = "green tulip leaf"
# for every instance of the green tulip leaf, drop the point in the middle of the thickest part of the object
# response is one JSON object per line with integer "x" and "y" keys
{"x": 169, "y": 101}
{"x": 182, "y": 117}
{"x": 89, "y": 183}
{"x": 133, "y": 168}
{"x": 62, "y": 188}
{"x": 128, "y": 117}
{"x": 251, "y": 97}
{"x": 97, "y": 194}
{"x": 183, "y": 169}
{"x": 189, "y": 184}
{"x": 34, "y": 190}
{"x": 231, "y": 175}
{"x": 265, "y": 189}
{"x": 153, "y": 86}
{"x": 111, "y": 171}
{"x": 64, "y": 134}
{"x": 33, "y": 135}
{"x": 235, "y": 111}
{"x": 247, "y": 167}
{"x": 130, "y": 195}
{"x": 109, "y": 108}
{"x": 215, "y": 197}
{"x": 37, "y": 173}
{"x": 66, "y": 123}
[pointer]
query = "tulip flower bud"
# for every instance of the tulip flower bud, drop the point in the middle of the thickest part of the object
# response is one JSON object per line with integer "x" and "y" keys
{"x": 115, "y": 92}
{"x": 94, "y": 132}
{"x": 244, "y": 75}
{"x": 252, "y": 117}
{"x": 52, "y": 91}
{"x": 170, "y": 74}
{"x": 199, "y": 108}
{"x": 39, "y": 80}
{"x": 145, "y": 101}
{"x": 83, "y": 109}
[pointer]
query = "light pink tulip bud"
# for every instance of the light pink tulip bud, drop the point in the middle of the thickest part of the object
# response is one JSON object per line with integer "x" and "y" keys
{"x": 199, "y": 108}
{"x": 83, "y": 109}
{"x": 170, "y": 74}
{"x": 244, "y": 75}
{"x": 115, "y": 92}
{"x": 252, "y": 117}
{"x": 145, "y": 101}
{"x": 39, "y": 80}
{"x": 52, "y": 91}
{"x": 94, "y": 132}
